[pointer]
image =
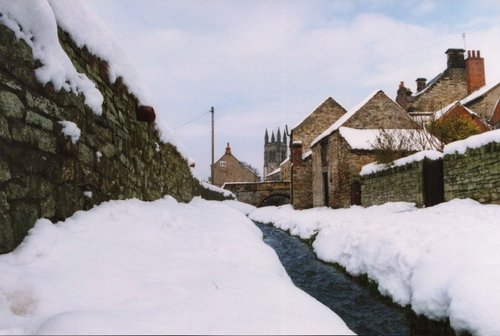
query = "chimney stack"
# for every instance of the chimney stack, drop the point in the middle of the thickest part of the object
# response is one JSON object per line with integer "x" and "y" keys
{"x": 455, "y": 58}
{"x": 421, "y": 83}
{"x": 474, "y": 65}
{"x": 228, "y": 149}
{"x": 296, "y": 156}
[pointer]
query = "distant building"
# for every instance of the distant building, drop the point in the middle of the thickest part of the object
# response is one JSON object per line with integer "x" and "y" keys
{"x": 229, "y": 169}
{"x": 275, "y": 152}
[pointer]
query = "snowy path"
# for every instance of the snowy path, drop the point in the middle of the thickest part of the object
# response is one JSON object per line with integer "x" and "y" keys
{"x": 132, "y": 267}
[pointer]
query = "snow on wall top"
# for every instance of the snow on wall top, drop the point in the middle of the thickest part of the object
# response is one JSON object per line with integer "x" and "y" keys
{"x": 34, "y": 22}
{"x": 475, "y": 141}
{"x": 375, "y": 167}
{"x": 86, "y": 29}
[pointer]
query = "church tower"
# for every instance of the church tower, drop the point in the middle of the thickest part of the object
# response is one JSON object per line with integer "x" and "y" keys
{"x": 275, "y": 151}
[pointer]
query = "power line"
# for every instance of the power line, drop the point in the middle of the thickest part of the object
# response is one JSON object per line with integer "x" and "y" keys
{"x": 191, "y": 121}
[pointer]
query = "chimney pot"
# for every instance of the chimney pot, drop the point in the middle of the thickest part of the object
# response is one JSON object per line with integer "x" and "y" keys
{"x": 228, "y": 149}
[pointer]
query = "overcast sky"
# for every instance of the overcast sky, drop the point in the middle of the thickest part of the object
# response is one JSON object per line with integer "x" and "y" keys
{"x": 269, "y": 63}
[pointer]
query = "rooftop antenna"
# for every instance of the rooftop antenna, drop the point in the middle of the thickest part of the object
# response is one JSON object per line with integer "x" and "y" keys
{"x": 463, "y": 38}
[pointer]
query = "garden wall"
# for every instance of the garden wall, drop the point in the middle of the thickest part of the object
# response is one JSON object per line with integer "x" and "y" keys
{"x": 474, "y": 174}
{"x": 45, "y": 173}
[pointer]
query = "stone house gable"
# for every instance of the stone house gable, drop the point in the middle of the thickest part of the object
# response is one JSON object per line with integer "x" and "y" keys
{"x": 375, "y": 111}
{"x": 300, "y": 171}
{"x": 495, "y": 118}
{"x": 336, "y": 164}
{"x": 229, "y": 169}
{"x": 483, "y": 101}
{"x": 311, "y": 126}
{"x": 379, "y": 112}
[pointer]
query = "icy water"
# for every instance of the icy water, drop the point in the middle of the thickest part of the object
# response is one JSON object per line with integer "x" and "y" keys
{"x": 362, "y": 309}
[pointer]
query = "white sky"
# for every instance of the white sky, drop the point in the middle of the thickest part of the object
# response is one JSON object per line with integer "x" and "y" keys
{"x": 264, "y": 64}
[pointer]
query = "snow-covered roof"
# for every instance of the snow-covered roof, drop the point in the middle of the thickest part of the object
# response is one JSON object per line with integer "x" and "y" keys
{"x": 306, "y": 154}
{"x": 276, "y": 171}
{"x": 479, "y": 92}
{"x": 343, "y": 119}
{"x": 285, "y": 161}
{"x": 366, "y": 139}
{"x": 474, "y": 141}
{"x": 375, "y": 167}
{"x": 429, "y": 85}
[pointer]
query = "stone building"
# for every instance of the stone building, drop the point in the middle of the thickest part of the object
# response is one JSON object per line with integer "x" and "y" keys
{"x": 341, "y": 150}
{"x": 229, "y": 169}
{"x": 460, "y": 78}
{"x": 301, "y": 137}
{"x": 275, "y": 152}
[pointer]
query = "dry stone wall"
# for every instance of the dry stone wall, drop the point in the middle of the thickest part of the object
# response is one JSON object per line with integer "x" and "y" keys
{"x": 43, "y": 173}
{"x": 397, "y": 184}
{"x": 474, "y": 174}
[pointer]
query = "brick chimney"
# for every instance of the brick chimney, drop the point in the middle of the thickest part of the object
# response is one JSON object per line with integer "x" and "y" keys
{"x": 297, "y": 153}
{"x": 474, "y": 65}
{"x": 228, "y": 149}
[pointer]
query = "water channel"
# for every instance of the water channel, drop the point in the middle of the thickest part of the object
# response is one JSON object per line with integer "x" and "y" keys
{"x": 364, "y": 310}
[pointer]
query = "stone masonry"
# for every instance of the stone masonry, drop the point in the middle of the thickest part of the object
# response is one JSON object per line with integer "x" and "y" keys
{"x": 44, "y": 174}
{"x": 476, "y": 174}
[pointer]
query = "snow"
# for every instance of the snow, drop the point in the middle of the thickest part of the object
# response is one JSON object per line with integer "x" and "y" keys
{"x": 343, "y": 119}
{"x": 87, "y": 30}
{"x": 366, "y": 139}
{"x": 375, "y": 167}
{"x": 71, "y": 130}
{"x": 161, "y": 267}
{"x": 475, "y": 141}
{"x": 33, "y": 21}
{"x": 224, "y": 192}
{"x": 36, "y": 22}
{"x": 441, "y": 260}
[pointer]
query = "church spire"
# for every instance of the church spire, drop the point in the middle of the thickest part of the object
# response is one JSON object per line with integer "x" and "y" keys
{"x": 266, "y": 138}
{"x": 278, "y": 135}
{"x": 273, "y": 140}
{"x": 284, "y": 138}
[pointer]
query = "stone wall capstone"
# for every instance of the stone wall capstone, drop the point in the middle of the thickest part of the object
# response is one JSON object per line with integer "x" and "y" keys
{"x": 44, "y": 173}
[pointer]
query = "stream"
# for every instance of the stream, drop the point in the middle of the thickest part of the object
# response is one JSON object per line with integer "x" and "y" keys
{"x": 362, "y": 308}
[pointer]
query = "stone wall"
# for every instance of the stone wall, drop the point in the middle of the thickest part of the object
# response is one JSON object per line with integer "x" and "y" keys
{"x": 475, "y": 174}
{"x": 44, "y": 174}
{"x": 397, "y": 184}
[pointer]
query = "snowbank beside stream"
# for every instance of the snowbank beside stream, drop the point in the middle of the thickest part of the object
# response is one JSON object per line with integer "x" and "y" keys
{"x": 442, "y": 260}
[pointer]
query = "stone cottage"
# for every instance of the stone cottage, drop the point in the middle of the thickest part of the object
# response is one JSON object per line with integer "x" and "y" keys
{"x": 229, "y": 169}
{"x": 341, "y": 150}
{"x": 460, "y": 78}
{"x": 301, "y": 137}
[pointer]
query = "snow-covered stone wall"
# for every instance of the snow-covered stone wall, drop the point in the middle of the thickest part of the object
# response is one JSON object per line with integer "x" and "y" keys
{"x": 58, "y": 156}
{"x": 473, "y": 172}
{"x": 470, "y": 169}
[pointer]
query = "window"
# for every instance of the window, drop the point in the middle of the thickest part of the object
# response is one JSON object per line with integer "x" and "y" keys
{"x": 222, "y": 163}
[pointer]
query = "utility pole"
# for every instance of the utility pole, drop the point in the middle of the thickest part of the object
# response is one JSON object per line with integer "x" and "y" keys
{"x": 212, "y": 164}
